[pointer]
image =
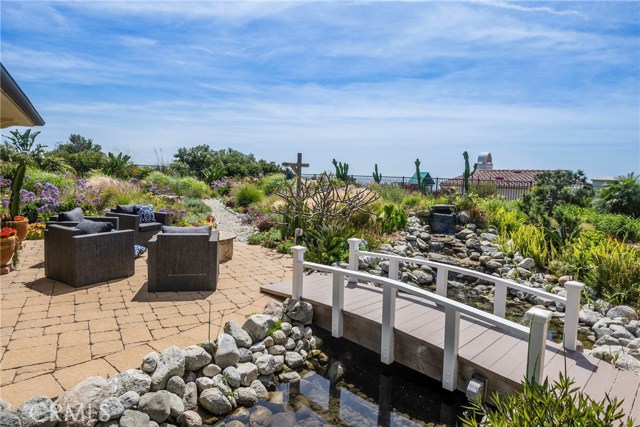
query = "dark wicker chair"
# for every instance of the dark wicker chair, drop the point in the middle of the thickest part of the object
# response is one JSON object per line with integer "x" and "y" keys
{"x": 183, "y": 262}
{"x": 83, "y": 259}
{"x": 54, "y": 221}
{"x": 143, "y": 232}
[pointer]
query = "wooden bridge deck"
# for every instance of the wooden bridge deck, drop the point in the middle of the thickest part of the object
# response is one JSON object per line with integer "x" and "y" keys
{"x": 484, "y": 349}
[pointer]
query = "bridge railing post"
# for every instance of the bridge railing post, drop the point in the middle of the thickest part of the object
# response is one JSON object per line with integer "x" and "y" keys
{"x": 337, "y": 305}
{"x": 387, "y": 345}
{"x": 572, "y": 313}
{"x": 499, "y": 299}
{"x": 354, "y": 254}
{"x": 539, "y": 320}
{"x": 451, "y": 344}
{"x": 394, "y": 269}
{"x": 441, "y": 281}
{"x": 298, "y": 271}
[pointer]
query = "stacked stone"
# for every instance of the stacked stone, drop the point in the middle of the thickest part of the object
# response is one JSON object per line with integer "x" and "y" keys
{"x": 174, "y": 387}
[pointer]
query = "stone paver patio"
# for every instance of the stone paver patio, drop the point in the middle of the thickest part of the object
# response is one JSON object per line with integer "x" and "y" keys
{"x": 53, "y": 335}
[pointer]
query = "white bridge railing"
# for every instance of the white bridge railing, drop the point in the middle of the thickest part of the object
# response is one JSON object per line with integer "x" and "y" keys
{"x": 536, "y": 333}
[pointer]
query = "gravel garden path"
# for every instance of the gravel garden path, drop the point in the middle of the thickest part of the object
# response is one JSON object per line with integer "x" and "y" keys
{"x": 228, "y": 220}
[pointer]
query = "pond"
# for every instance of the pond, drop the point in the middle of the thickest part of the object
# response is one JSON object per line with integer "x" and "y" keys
{"x": 369, "y": 394}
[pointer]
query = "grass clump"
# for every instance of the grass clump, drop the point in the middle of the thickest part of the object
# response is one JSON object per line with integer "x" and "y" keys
{"x": 248, "y": 194}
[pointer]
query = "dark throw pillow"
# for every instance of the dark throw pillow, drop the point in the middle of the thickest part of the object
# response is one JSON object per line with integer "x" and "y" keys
{"x": 145, "y": 212}
{"x": 87, "y": 226}
{"x": 125, "y": 209}
{"x": 204, "y": 229}
{"x": 75, "y": 215}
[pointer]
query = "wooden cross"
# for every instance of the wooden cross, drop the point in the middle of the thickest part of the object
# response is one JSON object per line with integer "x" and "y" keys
{"x": 297, "y": 167}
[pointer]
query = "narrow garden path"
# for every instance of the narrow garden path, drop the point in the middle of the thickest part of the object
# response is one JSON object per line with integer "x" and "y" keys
{"x": 227, "y": 220}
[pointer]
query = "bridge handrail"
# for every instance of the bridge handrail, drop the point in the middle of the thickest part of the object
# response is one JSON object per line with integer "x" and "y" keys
{"x": 571, "y": 301}
{"x": 536, "y": 333}
{"x": 498, "y": 321}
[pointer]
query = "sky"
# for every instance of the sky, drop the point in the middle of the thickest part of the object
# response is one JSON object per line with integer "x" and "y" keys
{"x": 540, "y": 85}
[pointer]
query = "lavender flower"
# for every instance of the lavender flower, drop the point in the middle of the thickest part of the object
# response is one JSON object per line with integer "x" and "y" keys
{"x": 27, "y": 196}
{"x": 5, "y": 182}
{"x": 80, "y": 199}
{"x": 5, "y": 203}
{"x": 95, "y": 201}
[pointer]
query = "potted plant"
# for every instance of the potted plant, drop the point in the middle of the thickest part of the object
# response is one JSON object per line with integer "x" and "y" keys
{"x": 7, "y": 246}
{"x": 22, "y": 144}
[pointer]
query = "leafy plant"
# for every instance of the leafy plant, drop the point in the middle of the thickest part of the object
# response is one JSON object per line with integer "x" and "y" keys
{"x": 273, "y": 183}
{"x": 391, "y": 217}
{"x": 342, "y": 170}
{"x": 467, "y": 172}
{"x": 117, "y": 166}
{"x": 617, "y": 225}
{"x": 284, "y": 247}
{"x": 531, "y": 241}
{"x": 265, "y": 223}
{"x": 248, "y": 194}
{"x": 377, "y": 177}
{"x": 620, "y": 197}
{"x": 389, "y": 193}
{"x": 327, "y": 244}
{"x": 411, "y": 201}
{"x": 554, "y": 404}
{"x": 255, "y": 239}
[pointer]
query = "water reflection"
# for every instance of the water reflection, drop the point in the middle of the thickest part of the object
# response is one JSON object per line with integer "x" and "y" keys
{"x": 369, "y": 394}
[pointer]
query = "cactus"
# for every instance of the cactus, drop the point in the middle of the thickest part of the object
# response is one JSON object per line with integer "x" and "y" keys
{"x": 16, "y": 186}
{"x": 467, "y": 174}
{"x": 418, "y": 175}
{"x": 377, "y": 177}
{"x": 342, "y": 170}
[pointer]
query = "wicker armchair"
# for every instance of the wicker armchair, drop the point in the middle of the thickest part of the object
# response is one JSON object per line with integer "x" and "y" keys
{"x": 183, "y": 262}
{"x": 83, "y": 259}
{"x": 54, "y": 221}
{"x": 142, "y": 231}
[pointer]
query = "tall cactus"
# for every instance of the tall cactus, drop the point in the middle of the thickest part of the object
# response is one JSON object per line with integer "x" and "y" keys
{"x": 418, "y": 174}
{"x": 377, "y": 177}
{"x": 467, "y": 174}
{"x": 16, "y": 186}
{"x": 342, "y": 170}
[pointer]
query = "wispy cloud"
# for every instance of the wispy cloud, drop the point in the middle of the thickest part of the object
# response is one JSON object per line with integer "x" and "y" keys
{"x": 533, "y": 9}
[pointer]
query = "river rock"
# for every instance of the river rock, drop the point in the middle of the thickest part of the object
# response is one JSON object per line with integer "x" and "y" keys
{"x": 283, "y": 419}
{"x": 176, "y": 406}
{"x": 289, "y": 377}
{"x": 260, "y": 389}
{"x": 204, "y": 383}
{"x": 172, "y": 362}
{"x": 211, "y": 370}
{"x": 38, "y": 412}
{"x": 279, "y": 337}
{"x": 261, "y": 417}
{"x": 190, "y": 396}
{"x": 248, "y": 373}
{"x": 83, "y": 400}
{"x": 246, "y": 396}
{"x": 227, "y": 353}
{"x": 293, "y": 360}
{"x": 176, "y": 385}
{"x": 189, "y": 419}
{"x": 623, "y": 311}
{"x": 8, "y": 419}
{"x": 274, "y": 309}
{"x": 336, "y": 372}
{"x": 300, "y": 311}
{"x": 132, "y": 418}
{"x": 157, "y": 405}
{"x": 243, "y": 340}
{"x": 259, "y": 325}
{"x": 150, "y": 362}
{"x": 296, "y": 333}
{"x": 232, "y": 376}
{"x": 130, "y": 380}
{"x": 195, "y": 357}
{"x": 527, "y": 263}
{"x": 214, "y": 401}
{"x": 245, "y": 355}
{"x": 589, "y": 317}
{"x": 110, "y": 408}
{"x": 266, "y": 364}
{"x": 129, "y": 399}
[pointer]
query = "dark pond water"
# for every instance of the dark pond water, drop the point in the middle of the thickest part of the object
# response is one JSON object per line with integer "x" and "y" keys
{"x": 369, "y": 394}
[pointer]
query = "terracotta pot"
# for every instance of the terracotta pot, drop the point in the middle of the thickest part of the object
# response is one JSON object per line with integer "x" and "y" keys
{"x": 20, "y": 226}
{"x": 7, "y": 248}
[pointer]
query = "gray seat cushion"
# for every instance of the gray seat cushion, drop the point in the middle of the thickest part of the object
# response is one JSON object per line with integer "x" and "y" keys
{"x": 125, "y": 209}
{"x": 150, "y": 226}
{"x": 92, "y": 227}
{"x": 75, "y": 215}
{"x": 204, "y": 229}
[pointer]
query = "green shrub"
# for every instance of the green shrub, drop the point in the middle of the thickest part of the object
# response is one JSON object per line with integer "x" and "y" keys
{"x": 255, "y": 239}
{"x": 35, "y": 175}
{"x": 248, "y": 194}
{"x": 273, "y": 183}
{"x": 197, "y": 206}
{"x": 503, "y": 216}
{"x": 621, "y": 197}
{"x": 411, "y": 201}
{"x": 531, "y": 242}
{"x": 547, "y": 405}
{"x": 327, "y": 244}
{"x": 621, "y": 226}
{"x": 284, "y": 247}
{"x": 615, "y": 272}
{"x": 389, "y": 193}
{"x": 483, "y": 189}
{"x": 391, "y": 217}
{"x": 190, "y": 187}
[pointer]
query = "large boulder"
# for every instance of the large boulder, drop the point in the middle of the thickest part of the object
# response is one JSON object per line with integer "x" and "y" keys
{"x": 195, "y": 357}
{"x": 8, "y": 419}
{"x": 243, "y": 340}
{"x": 189, "y": 419}
{"x": 38, "y": 412}
{"x": 132, "y": 418}
{"x": 130, "y": 380}
{"x": 214, "y": 401}
{"x": 227, "y": 353}
{"x": 79, "y": 407}
{"x": 623, "y": 311}
{"x": 248, "y": 373}
{"x": 266, "y": 364}
{"x": 299, "y": 311}
{"x": 259, "y": 325}
{"x": 246, "y": 396}
{"x": 260, "y": 389}
{"x": 157, "y": 405}
{"x": 172, "y": 362}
